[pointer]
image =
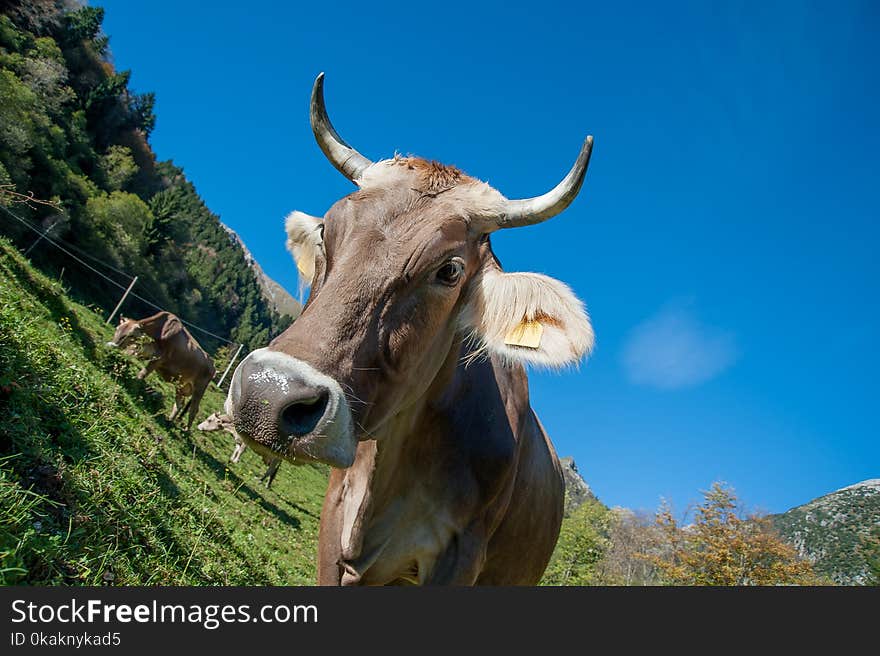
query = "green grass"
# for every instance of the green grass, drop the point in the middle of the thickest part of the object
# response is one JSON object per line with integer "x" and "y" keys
{"x": 97, "y": 488}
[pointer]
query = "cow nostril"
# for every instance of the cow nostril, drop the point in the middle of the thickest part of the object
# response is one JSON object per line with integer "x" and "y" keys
{"x": 301, "y": 416}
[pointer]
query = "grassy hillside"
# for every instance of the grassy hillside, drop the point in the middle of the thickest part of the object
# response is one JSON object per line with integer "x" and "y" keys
{"x": 97, "y": 488}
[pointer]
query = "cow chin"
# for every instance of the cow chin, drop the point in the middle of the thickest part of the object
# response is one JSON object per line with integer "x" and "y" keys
{"x": 283, "y": 407}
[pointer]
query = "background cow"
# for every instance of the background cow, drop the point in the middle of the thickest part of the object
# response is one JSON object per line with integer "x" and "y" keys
{"x": 405, "y": 374}
{"x": 173, "y": 353}
{"x": 217, "y": 421}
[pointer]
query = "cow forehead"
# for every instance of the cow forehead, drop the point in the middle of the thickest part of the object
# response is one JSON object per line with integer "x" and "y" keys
{"x": 381, "y": 248}
{"x": 423, "y": 179}
{"x": 124, "y": 326}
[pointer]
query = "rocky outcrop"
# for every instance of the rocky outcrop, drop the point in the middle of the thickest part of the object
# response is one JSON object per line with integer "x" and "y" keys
{"x": 576, "y": 488}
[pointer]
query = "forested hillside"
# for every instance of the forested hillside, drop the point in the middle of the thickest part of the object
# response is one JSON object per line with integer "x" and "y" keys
{"x": 73, "y": 133}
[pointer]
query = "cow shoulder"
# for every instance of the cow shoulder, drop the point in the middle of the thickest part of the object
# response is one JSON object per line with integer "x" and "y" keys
{"x": 171, "y": 328}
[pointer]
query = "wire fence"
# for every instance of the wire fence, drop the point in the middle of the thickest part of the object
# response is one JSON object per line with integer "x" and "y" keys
{"x": 68, "y": 249}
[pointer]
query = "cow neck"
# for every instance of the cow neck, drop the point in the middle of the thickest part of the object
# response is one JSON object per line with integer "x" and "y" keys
{"x": 369, "y": 481}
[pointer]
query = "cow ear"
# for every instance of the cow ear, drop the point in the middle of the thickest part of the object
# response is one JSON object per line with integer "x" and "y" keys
{"x": 304, "y": 238}
{"x": 529, "y": 318}
{"x": 122, "y": 319}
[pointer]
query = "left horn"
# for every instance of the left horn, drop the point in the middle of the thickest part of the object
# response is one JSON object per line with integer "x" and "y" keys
{"x": 345, "y": 158}
{"x": 540, "y": 208}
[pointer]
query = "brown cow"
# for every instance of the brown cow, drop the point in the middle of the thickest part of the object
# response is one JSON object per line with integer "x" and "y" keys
{"x": 405, "y": 374}
{"x": 173, "y": 353}
{"x": 216, "y": 421}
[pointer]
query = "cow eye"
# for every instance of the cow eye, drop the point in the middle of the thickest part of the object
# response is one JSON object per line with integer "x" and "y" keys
{"x": 450, "y": 272}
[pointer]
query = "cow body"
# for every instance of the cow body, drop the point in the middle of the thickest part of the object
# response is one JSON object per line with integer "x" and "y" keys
{"x": 173, "y": 353}
{"x": 405, "y": 374}
{"x": 463, "y": 488}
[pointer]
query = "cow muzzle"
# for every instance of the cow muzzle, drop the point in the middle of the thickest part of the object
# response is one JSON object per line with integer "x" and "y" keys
{"x": 284, "y": 407}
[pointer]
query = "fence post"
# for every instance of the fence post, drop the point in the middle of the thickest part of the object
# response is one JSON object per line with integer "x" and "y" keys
{"x": 229, "y": 366}
{"x": 119, "y": 304}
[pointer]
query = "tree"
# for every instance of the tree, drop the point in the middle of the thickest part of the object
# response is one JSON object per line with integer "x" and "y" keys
{"x": 582, "y": 543}
{"x": 723, "y": 547}
{"x": 84, "y": 24}
{"x": 118, "y": 167}
{"x": 630, "y": 537}
{"x": 35, "y": 15}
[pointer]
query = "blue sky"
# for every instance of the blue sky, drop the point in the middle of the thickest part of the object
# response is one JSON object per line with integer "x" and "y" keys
{"x": 725, "y": 240}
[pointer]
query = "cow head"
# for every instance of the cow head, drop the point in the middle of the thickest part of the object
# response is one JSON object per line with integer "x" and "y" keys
{"x": 401, "y": 272}
{"x": 127, "y": 334}
{"x": 214, "y": 422}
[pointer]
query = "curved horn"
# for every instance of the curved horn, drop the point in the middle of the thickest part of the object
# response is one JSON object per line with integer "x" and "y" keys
{"x": 345, "y": 158}
{"x": 540, "y": 208}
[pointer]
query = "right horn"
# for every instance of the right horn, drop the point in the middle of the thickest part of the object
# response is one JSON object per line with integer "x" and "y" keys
{"x": 529, "y": 211}
{"x": 346, "y": 159}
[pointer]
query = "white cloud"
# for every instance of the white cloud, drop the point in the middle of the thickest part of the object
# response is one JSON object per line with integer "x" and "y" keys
{"x": 672, "y": 349}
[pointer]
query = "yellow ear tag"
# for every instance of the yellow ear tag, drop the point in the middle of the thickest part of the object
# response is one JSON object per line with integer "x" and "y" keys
{"x": 301, "y": 270}
{"x": 525, "y": 333}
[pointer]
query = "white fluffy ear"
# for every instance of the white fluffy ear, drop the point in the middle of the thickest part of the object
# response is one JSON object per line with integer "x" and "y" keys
{"x": 303, "y": 241}
{"x": 528, "y": 317}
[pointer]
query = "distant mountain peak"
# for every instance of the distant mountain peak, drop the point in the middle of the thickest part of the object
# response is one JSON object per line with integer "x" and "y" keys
{"x": 871, "y": 483}
{"x": 277, "y": 297}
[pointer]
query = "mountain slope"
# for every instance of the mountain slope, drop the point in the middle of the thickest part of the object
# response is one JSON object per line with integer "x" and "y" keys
{"x": 835, "y": 531}
{"x": 278, "y": 298}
